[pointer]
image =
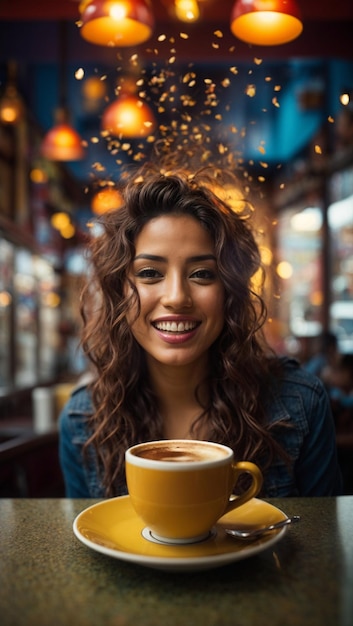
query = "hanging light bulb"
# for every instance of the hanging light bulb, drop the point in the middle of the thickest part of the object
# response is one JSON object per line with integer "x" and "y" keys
{"x": 105, "y": 200}
{"x": 116, "y": 22}
{"x": 128, "y": 116}
{"x": 266, "y": 22}
{"x": 62, "y": 142}
{"x": 11, "y": 104}
{"x": 187, "y": 10}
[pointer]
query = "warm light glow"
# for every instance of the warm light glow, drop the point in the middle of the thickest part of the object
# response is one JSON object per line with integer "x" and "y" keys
{"x": 116, "y": 23}
{"x": 5, "y": 299}
{"x": 105, "y": 200}
{"x": 62, "y": 142}
{"x": 266, "y": 255}
{"x": 128, "y": 116}
{"x": 316, "y": 298}
{"x": 93, "y": 88}
{"x": 60, "y": 220}
{"x": 266, "y": 22}
{"x": 38, "y": 176}
{"x": 51, "y": 299}
{"x": 68, "y": 232}
{"x": 187, "y": 10}
{"x": 11, "y": 106}
{"x": 284, "y": 270}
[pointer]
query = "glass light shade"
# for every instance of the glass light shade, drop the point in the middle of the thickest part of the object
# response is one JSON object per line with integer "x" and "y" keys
{"x": 11, "y": 106}
{"x": 116, "y": 22}
{"x": 266, "y": 22}
{"x": 62, "y": 143}
{"x": 105, "y": 200}
{"x": 187, "y": 10}
{"x": 128, "y": 116}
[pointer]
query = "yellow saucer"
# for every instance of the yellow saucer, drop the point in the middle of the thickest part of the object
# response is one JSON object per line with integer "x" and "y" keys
{"x": 113, "y": 528}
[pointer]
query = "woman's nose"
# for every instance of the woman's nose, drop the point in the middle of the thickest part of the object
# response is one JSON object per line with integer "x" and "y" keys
{"x": 176, "y": 293}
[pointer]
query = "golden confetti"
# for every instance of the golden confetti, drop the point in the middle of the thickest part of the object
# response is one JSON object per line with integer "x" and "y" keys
{"x": 275, "y": 103}
{"x": 98, "y": 167}
{"x": 79, "y": 74}
{"x": 234, "y": 70}
{"x": 257, "y": 61}
{"x": 330, "y": 119}
{"x": 218, "y": 33}
{"x": 162, "y": 37}
{"x": 184, "y": 36}
{"x": 262, "y": 149}
{"x": 277, "y": 88}
{"x": 318, "y": 149}
{"x": 250, "y": 91}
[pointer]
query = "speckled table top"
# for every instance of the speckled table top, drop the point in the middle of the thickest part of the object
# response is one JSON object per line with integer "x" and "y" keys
{"x": 49, "y": 578}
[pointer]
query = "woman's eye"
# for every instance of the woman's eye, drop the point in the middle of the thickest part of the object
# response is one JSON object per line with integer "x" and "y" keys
{"x": 148, "y": 273}
{"x": 204, "y": 274}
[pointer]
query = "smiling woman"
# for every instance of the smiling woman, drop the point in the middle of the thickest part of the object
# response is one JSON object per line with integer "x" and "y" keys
{"x": 172, "y": 328}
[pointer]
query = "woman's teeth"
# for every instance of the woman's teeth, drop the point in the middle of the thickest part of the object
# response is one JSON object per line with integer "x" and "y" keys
{"x": 175, "y": 327}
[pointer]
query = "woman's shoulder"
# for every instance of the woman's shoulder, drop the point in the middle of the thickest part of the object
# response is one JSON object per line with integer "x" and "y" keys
{"x": 74, "y": 416}
{"x": 292, "y": 374}
{"x": 296, "y": 395}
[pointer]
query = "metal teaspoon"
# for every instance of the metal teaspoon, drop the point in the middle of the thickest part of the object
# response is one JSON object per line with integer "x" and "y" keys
{"x": 258, "y": 532}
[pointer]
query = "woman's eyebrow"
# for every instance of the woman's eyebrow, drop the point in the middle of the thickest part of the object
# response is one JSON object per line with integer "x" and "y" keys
{"x": 191, "y": 259}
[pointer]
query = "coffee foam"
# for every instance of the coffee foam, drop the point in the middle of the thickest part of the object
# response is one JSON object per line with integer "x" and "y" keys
{"x": 181, "y": 453}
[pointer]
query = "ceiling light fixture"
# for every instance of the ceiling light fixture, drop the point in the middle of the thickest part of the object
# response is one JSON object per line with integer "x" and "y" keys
{"x": 266, "y": 22}
{"x": 62, "y": 142}
{"x": 116, "y": 22}
{"x": 128, "y": 116}
{"x": 187, "y": 10}
{"x": 11, "y": 104}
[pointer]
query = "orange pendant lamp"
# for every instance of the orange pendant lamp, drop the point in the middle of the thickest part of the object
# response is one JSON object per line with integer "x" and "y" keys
{"x": 266, "y": 22}
{"x": 116, "y": 22}
{"x": 129, "y": 117}
{"x": 62, "y": 142}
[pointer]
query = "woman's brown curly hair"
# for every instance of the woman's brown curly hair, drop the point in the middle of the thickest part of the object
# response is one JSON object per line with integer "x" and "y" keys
{"x": 125, "y": 407}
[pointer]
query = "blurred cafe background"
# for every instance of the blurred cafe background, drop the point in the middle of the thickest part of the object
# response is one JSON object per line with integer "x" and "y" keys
{"x": 82, "y": 100}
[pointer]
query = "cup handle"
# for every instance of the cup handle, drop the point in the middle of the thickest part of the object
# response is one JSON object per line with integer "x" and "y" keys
{"x": 246, "y": 467}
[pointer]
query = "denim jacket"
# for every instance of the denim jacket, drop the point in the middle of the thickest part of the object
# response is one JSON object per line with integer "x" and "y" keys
{"x": 300, "y": 400}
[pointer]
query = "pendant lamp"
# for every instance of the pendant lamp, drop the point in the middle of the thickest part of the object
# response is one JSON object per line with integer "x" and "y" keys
{"x": 187, "y": 10}
{"x": 116, "y": 22}
{"x": 11, "y": 104}
{"x": 128, "y": 116}
{"x": 266, "y": 22}
{"x": 62, "y": 142}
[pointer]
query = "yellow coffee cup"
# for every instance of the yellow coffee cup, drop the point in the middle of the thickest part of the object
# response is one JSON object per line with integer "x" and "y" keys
{"x": 181, "y": 487}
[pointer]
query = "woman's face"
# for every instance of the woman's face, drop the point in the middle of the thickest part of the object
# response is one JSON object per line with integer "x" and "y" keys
{"x": 180, "y": 291}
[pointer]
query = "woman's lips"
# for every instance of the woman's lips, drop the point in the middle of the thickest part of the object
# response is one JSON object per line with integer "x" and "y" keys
{"x": 176, "y": 331}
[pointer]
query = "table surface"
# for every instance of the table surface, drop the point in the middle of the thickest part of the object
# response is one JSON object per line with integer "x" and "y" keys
{"x": 49, "y": 578}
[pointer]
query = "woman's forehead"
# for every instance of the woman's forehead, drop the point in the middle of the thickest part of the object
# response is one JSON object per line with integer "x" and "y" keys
{"x": 174, "y": 230}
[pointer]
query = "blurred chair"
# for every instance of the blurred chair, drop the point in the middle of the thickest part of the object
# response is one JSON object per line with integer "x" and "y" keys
{"x": 29, "y": 465}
